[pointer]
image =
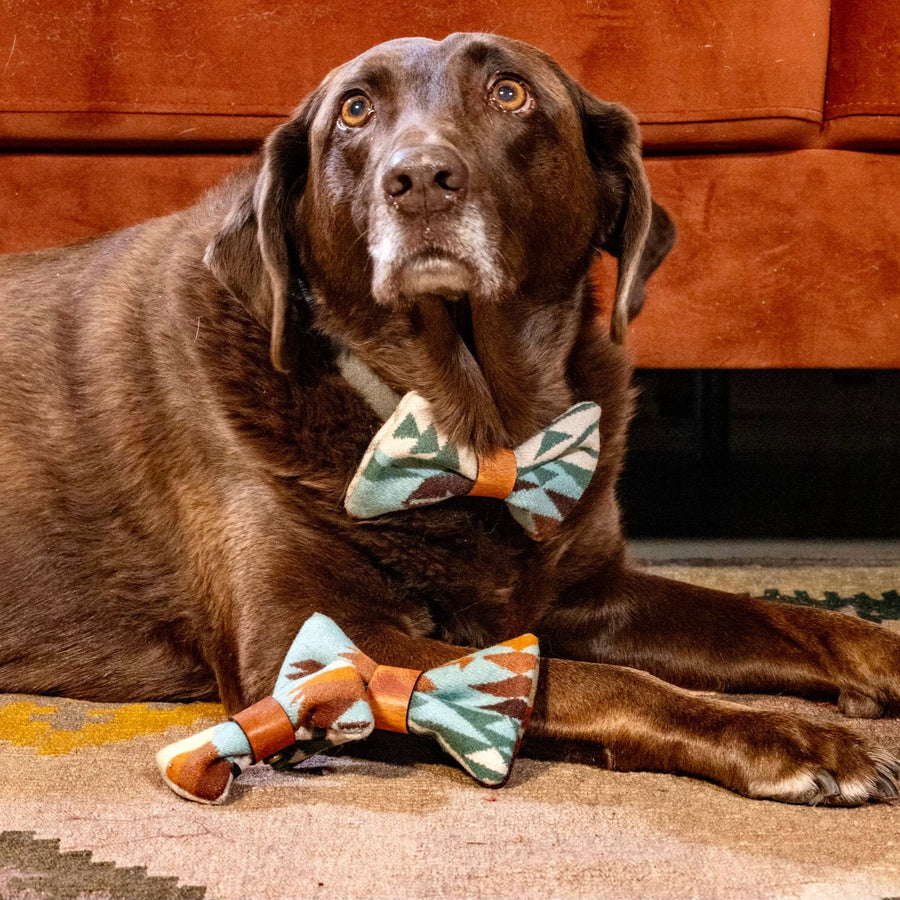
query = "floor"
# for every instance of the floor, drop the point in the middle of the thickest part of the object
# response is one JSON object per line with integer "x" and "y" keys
{"x": 759, "y": 551}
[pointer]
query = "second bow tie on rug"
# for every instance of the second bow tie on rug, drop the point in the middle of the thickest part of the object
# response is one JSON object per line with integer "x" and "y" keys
{"x": 410, "y": 463}
{"x": 328, "y": 692}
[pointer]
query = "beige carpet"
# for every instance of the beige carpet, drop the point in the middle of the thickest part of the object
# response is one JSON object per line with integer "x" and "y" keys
{"x": 83, "y": 812}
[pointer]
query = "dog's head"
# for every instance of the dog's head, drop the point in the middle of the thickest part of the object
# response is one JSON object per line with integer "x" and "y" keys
{"x": 438, "y": 204}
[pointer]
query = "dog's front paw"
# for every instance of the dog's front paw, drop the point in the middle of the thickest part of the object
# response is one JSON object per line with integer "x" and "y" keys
{"x": 793, "y": 760}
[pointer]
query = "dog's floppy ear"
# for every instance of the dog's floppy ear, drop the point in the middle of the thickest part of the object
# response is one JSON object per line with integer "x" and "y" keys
{"x": 254, "y": 253}
{"x": 634, "y": 227}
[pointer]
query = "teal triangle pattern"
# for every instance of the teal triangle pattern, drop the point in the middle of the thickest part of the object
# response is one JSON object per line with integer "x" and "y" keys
{"x": 408, "y": 428}
{"x": 477, "y": 708}
{"x": 542, "y": 474}
{"x": 408, "y": 463}
{"x": 427, "y": 443}
{"x": 457, "y": 705}
{"x": 550, "y": 439}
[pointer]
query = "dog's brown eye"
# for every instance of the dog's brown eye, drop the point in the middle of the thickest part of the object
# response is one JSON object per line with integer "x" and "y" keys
{"x": 509, "y": 95}
{"x": 356, "y": 110}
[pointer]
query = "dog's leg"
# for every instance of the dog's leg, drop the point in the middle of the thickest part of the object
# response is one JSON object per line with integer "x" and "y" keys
{"x": 640, "y": 722}
{"x": 707, "y": 639}
{"x": 643, "y": 723}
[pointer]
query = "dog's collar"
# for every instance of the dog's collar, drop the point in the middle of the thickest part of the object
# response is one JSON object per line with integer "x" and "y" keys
{"x": 382, "y": 399}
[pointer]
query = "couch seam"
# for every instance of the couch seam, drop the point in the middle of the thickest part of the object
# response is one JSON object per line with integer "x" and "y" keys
{"x": 827, "y": 68}
{"x": 863, "y": 103}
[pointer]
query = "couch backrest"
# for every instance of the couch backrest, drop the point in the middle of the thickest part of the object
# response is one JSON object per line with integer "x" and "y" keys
{"x": 700, "y": 74}
{"x": 113, "y": 111}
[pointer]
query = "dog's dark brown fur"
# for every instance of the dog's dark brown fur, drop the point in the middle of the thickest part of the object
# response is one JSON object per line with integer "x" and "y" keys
{"x": 177, "y": 435}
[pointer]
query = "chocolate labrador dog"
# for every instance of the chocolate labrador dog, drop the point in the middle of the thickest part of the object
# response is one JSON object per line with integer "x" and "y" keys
{"x": 185, "y": 402}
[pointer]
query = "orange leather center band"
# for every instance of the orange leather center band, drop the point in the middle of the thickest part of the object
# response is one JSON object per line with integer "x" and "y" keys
{"x": 267, "y": 727}
{"x": 388, "y": 694}
{"x": 496, "y": 475}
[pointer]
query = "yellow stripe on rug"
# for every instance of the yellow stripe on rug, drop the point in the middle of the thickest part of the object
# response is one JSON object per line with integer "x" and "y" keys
{"x": 40, "y": 724}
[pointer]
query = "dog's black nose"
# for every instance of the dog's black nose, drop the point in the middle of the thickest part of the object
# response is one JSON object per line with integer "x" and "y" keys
{"x": 425, "y": 179}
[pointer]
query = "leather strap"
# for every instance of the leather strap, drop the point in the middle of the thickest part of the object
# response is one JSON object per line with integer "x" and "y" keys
{"x": 267, "y": 727}
{"x": 496, "y": 475}
{"x": 388, "y": 694}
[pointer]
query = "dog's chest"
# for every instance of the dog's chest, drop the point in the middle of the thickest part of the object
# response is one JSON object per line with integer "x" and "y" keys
{"x": 465, "y": 563}
{"x": 463, "y": 566}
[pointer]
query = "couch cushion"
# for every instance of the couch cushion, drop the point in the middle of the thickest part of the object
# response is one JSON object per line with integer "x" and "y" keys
{"x": 710, "y": 75}
{"x": 54, "y": 199}
{"x": 863, "y": 103}
{"x": 700, "y": 73}
{"x": 783, "y": 260}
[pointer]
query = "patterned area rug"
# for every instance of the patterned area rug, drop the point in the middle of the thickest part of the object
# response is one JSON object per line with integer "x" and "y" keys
{"x": 83, "y": 812}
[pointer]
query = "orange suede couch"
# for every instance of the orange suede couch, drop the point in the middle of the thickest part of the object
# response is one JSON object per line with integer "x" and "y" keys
{"x": 771, "y": 133}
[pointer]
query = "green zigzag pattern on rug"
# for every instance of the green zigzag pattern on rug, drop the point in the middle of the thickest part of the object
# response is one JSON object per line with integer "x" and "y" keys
{"x": 36, "y": 868}
{"x": 866, "y": 607}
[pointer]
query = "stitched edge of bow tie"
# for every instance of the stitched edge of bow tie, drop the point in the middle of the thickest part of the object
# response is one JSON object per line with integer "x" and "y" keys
{"x": 476, "y": 707}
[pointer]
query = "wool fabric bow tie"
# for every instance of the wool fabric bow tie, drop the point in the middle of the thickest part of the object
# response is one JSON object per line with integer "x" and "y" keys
{"x": 409, "y": 463}
{"x": 329, "y": 692}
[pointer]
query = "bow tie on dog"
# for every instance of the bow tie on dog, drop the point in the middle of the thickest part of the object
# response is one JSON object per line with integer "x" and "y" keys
{"x": 329, "y": 692}
{"x": 409, "y": 463}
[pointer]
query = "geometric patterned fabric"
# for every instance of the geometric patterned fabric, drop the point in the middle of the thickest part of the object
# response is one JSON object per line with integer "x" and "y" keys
{"x": 476, "y": 707}
{"x": 322, "y": 692}
{"x": 410, "y": 463}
